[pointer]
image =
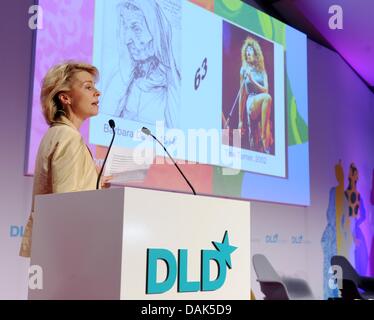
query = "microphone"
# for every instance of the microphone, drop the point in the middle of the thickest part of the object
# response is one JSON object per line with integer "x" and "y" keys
{"x": 112, "y": 125}
{"x": 148, "y": 132}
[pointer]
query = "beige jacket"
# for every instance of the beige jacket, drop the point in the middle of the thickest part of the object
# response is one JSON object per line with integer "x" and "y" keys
{"x": 63, "y": 164}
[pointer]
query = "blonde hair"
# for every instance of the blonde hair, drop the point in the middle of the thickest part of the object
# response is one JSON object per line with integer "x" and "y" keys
{"x": 59, "y": 79}
{"x": 259, "y": 57}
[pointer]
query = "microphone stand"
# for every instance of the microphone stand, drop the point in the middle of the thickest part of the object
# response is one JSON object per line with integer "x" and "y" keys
{"x": 234, "y": 104}
{"x": 112, "y": 125}
{"x": 148, "y": 132}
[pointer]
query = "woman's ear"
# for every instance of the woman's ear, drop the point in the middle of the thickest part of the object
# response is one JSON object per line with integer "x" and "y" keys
{"x": 64, "y": 99}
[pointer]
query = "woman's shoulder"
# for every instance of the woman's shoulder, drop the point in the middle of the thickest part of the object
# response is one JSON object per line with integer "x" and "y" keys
{"x": 63, "y": 131}
{"x": 61, "y": 135}
{"x": 246, "y": 68}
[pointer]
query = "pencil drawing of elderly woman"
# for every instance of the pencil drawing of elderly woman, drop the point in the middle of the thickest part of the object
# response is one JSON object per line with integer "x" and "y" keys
{"x": 151, "y": 87}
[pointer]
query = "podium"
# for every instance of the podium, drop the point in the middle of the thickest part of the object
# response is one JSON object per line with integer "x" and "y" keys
{"x": 133, "y": 243}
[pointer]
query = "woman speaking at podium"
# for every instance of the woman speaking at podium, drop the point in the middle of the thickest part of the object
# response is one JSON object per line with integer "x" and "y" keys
{"x": 64, "y": 162}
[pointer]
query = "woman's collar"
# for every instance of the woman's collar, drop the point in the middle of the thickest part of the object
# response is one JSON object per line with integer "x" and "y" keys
{"x": 65, "y": 121}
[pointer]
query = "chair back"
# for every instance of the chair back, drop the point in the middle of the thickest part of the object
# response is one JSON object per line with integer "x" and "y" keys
{"x": 349, "y": 273}
{"x": 270, "y": 282}
{"x": 279, "y": 288}
{"x": 264, "y": 270}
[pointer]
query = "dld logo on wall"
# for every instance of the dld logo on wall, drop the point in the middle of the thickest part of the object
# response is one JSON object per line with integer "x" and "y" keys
{"x": 272, "y": 238}
{"x": 177, "y": 268}
{"x": 16, "y": 231}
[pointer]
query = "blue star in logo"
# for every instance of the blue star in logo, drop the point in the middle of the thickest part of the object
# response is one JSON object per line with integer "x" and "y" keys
{"x": 225, "y": 248}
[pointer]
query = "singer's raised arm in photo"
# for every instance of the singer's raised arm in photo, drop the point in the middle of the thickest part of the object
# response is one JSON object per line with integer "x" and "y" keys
{"x": 64, "y": 163}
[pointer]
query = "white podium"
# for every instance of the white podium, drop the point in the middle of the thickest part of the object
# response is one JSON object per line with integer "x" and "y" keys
{"x": 132, "y": 243}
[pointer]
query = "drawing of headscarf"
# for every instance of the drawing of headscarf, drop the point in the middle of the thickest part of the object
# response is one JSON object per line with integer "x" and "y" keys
{"x": 161, "y": 32}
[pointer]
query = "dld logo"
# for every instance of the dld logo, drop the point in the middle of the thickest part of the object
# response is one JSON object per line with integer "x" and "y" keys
{"x": 177, "y": 268}
{"x": 16, "y": 231}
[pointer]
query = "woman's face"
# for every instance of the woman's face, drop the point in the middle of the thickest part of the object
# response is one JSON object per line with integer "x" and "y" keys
{"x": 250, "y": 54}
{"x": 84, "y": 97}
{"x": 137, "y": 36}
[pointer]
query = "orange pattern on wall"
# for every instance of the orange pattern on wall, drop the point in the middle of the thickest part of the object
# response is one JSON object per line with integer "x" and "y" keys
{"x": 207, "y": 4}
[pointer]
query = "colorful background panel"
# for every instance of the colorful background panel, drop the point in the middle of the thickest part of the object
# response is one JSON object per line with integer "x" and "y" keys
{"x": 52, "y": 46}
